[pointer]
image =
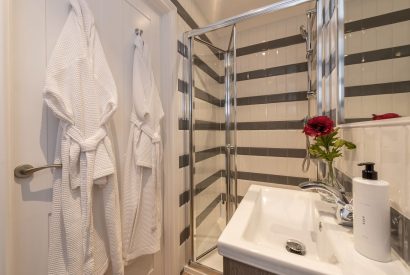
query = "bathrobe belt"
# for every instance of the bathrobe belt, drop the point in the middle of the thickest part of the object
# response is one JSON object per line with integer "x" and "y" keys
{"x": 88, "y": 161}
{"x": 155, "y": 138}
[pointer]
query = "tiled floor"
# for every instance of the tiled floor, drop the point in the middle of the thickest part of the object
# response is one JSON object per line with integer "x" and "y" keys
{"x": 213, "y": 260}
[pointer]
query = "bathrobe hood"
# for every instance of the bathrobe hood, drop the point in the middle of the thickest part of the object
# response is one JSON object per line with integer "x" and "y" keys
{"x": 85, "y": 223}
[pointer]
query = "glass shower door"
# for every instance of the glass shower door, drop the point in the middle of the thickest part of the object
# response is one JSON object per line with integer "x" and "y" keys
{"x": 212, "y": 98}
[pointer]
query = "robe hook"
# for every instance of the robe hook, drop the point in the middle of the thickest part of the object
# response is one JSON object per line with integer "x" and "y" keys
{"x": 138, "y": 32}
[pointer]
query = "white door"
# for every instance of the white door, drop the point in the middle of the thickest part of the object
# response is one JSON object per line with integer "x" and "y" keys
{"x": 35, "y": 26}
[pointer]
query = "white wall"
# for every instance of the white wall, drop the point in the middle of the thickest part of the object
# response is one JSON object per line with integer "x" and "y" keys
{"x": 35, "y": 29}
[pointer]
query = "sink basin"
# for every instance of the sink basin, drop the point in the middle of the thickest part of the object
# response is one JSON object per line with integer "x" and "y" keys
{"x": 268, "y": 217}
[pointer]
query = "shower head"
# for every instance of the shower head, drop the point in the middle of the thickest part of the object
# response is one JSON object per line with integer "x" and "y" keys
{"x": 303, "y": 32}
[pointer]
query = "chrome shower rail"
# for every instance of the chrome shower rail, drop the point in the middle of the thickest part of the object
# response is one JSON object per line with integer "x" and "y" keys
{"x": 247, "y": 15}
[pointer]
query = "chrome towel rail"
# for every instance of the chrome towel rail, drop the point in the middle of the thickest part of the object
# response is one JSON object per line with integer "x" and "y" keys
{"x": 27, "y": 170}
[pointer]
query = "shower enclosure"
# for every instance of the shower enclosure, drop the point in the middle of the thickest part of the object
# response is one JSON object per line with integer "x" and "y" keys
{"x": 212, "y": 104}
{"x": 237, "y": 132}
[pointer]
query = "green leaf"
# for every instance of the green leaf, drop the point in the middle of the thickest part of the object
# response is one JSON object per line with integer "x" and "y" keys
{"x": 349, "y": 145}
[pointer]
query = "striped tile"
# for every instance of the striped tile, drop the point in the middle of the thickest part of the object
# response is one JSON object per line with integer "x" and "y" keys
{"x": 184, "y": 197}
{"x": 273, "y": 71}
{"x": 183, "y": 124}
{"x": 271, "y": 125}
{"x": 207, "y": 125}
{"x": 377, "y": 55}
{"x": 378, "y": 21}
{"x": 182, "y": 86}
{"x": 272, "y": 152}
{"x": 270, "y": 178}
{"x": 378, "y": 89}
{"x": 272, "y": 98}
{"x": 183, "y": 161}
{"x": 209, "y": 153}
{"x": 182, "y": 49}
{"x": 207, "y": 182}
{"x": 202, "y": 216}
{"x": 184, "y": 235}
{"x": 200, "y": 94}
{"x": 207, "y": 69}
{"x": 269, "y": 45}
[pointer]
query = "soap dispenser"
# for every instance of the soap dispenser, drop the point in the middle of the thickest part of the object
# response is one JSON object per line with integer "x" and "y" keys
{"x": 371, "y": 219}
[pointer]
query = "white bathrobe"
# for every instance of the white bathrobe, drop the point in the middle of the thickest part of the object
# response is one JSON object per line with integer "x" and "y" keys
{"x": 85, "y": 226}
{"x": 141, "y": 188}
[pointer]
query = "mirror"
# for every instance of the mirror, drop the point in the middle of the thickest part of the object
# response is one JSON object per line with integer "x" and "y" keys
{"x": 376, "y": 60}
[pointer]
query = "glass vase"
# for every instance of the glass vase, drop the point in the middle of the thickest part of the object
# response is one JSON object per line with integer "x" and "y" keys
{"x": 329, "y": 178}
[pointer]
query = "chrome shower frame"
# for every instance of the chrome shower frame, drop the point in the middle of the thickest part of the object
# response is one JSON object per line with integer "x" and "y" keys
{"x": 189, "y": 38}
{"x": 340, "y": 108}
{"x": 307, "y": 33}
{"x": 247, "y": 15}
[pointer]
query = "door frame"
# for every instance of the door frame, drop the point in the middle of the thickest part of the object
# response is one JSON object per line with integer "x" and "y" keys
{"x": 170, "y": 243}
{"x": 6, "y": 176}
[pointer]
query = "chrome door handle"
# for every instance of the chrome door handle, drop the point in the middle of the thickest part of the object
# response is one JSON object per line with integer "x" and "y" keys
{"x": 27, "y": 170}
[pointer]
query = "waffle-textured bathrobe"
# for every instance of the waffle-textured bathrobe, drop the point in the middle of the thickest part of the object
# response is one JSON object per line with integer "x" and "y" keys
{"x": 142, "y": 182}
{"x": 85, "y": 226}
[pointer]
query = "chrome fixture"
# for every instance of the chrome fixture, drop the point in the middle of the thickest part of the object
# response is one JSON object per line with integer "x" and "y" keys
{"x": 295, "y": 247}
{"x": 139, "y": 32}
{"x": 344, "y": 209}
{"x": 246, "y": 15}
{"x": 303, "y": 32}
{"x": 27, "y": 170}
{"x": 307, "y": 34}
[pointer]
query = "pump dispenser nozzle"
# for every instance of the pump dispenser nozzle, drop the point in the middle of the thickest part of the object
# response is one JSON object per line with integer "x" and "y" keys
{"x": 368, "y": 172}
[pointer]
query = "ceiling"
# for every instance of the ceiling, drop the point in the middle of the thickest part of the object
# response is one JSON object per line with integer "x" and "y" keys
{"x": 215, "y": 10}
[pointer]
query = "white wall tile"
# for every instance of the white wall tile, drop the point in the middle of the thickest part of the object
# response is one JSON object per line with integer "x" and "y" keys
{"x": 384, "y": 71}
{"x": 353, "y": 107}
{"x": 401, "y": 33}
{"x": 401, "y": 69}
{"x": 384, "y": 36}
{"x": 392, "y": 165}
{"x": 353, "y": 10}
{"x": 353, "y": 42}
{"x": 384, "y": 6}
{"x": 369, "y": 9}
{"x": 369, "y": 106}
{"x": 384, "y": 103}
{"x": 401, "y": 104}
{"x": 406, "y": 187}
{"x": 369, "y": 73}
{"x": 401, "y": 4}
{"x": 353, "y": 75}
{"x": 260, "y": 164}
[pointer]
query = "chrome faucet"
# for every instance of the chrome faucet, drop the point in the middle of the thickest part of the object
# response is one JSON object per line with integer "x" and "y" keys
{"x": 344, "y": 209}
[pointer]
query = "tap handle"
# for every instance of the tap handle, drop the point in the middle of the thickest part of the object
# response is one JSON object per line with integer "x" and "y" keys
{"x": 344, "y": 215}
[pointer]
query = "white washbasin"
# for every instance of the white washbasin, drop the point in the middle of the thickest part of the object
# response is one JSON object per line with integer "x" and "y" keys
{"x": 268, "y": 217}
